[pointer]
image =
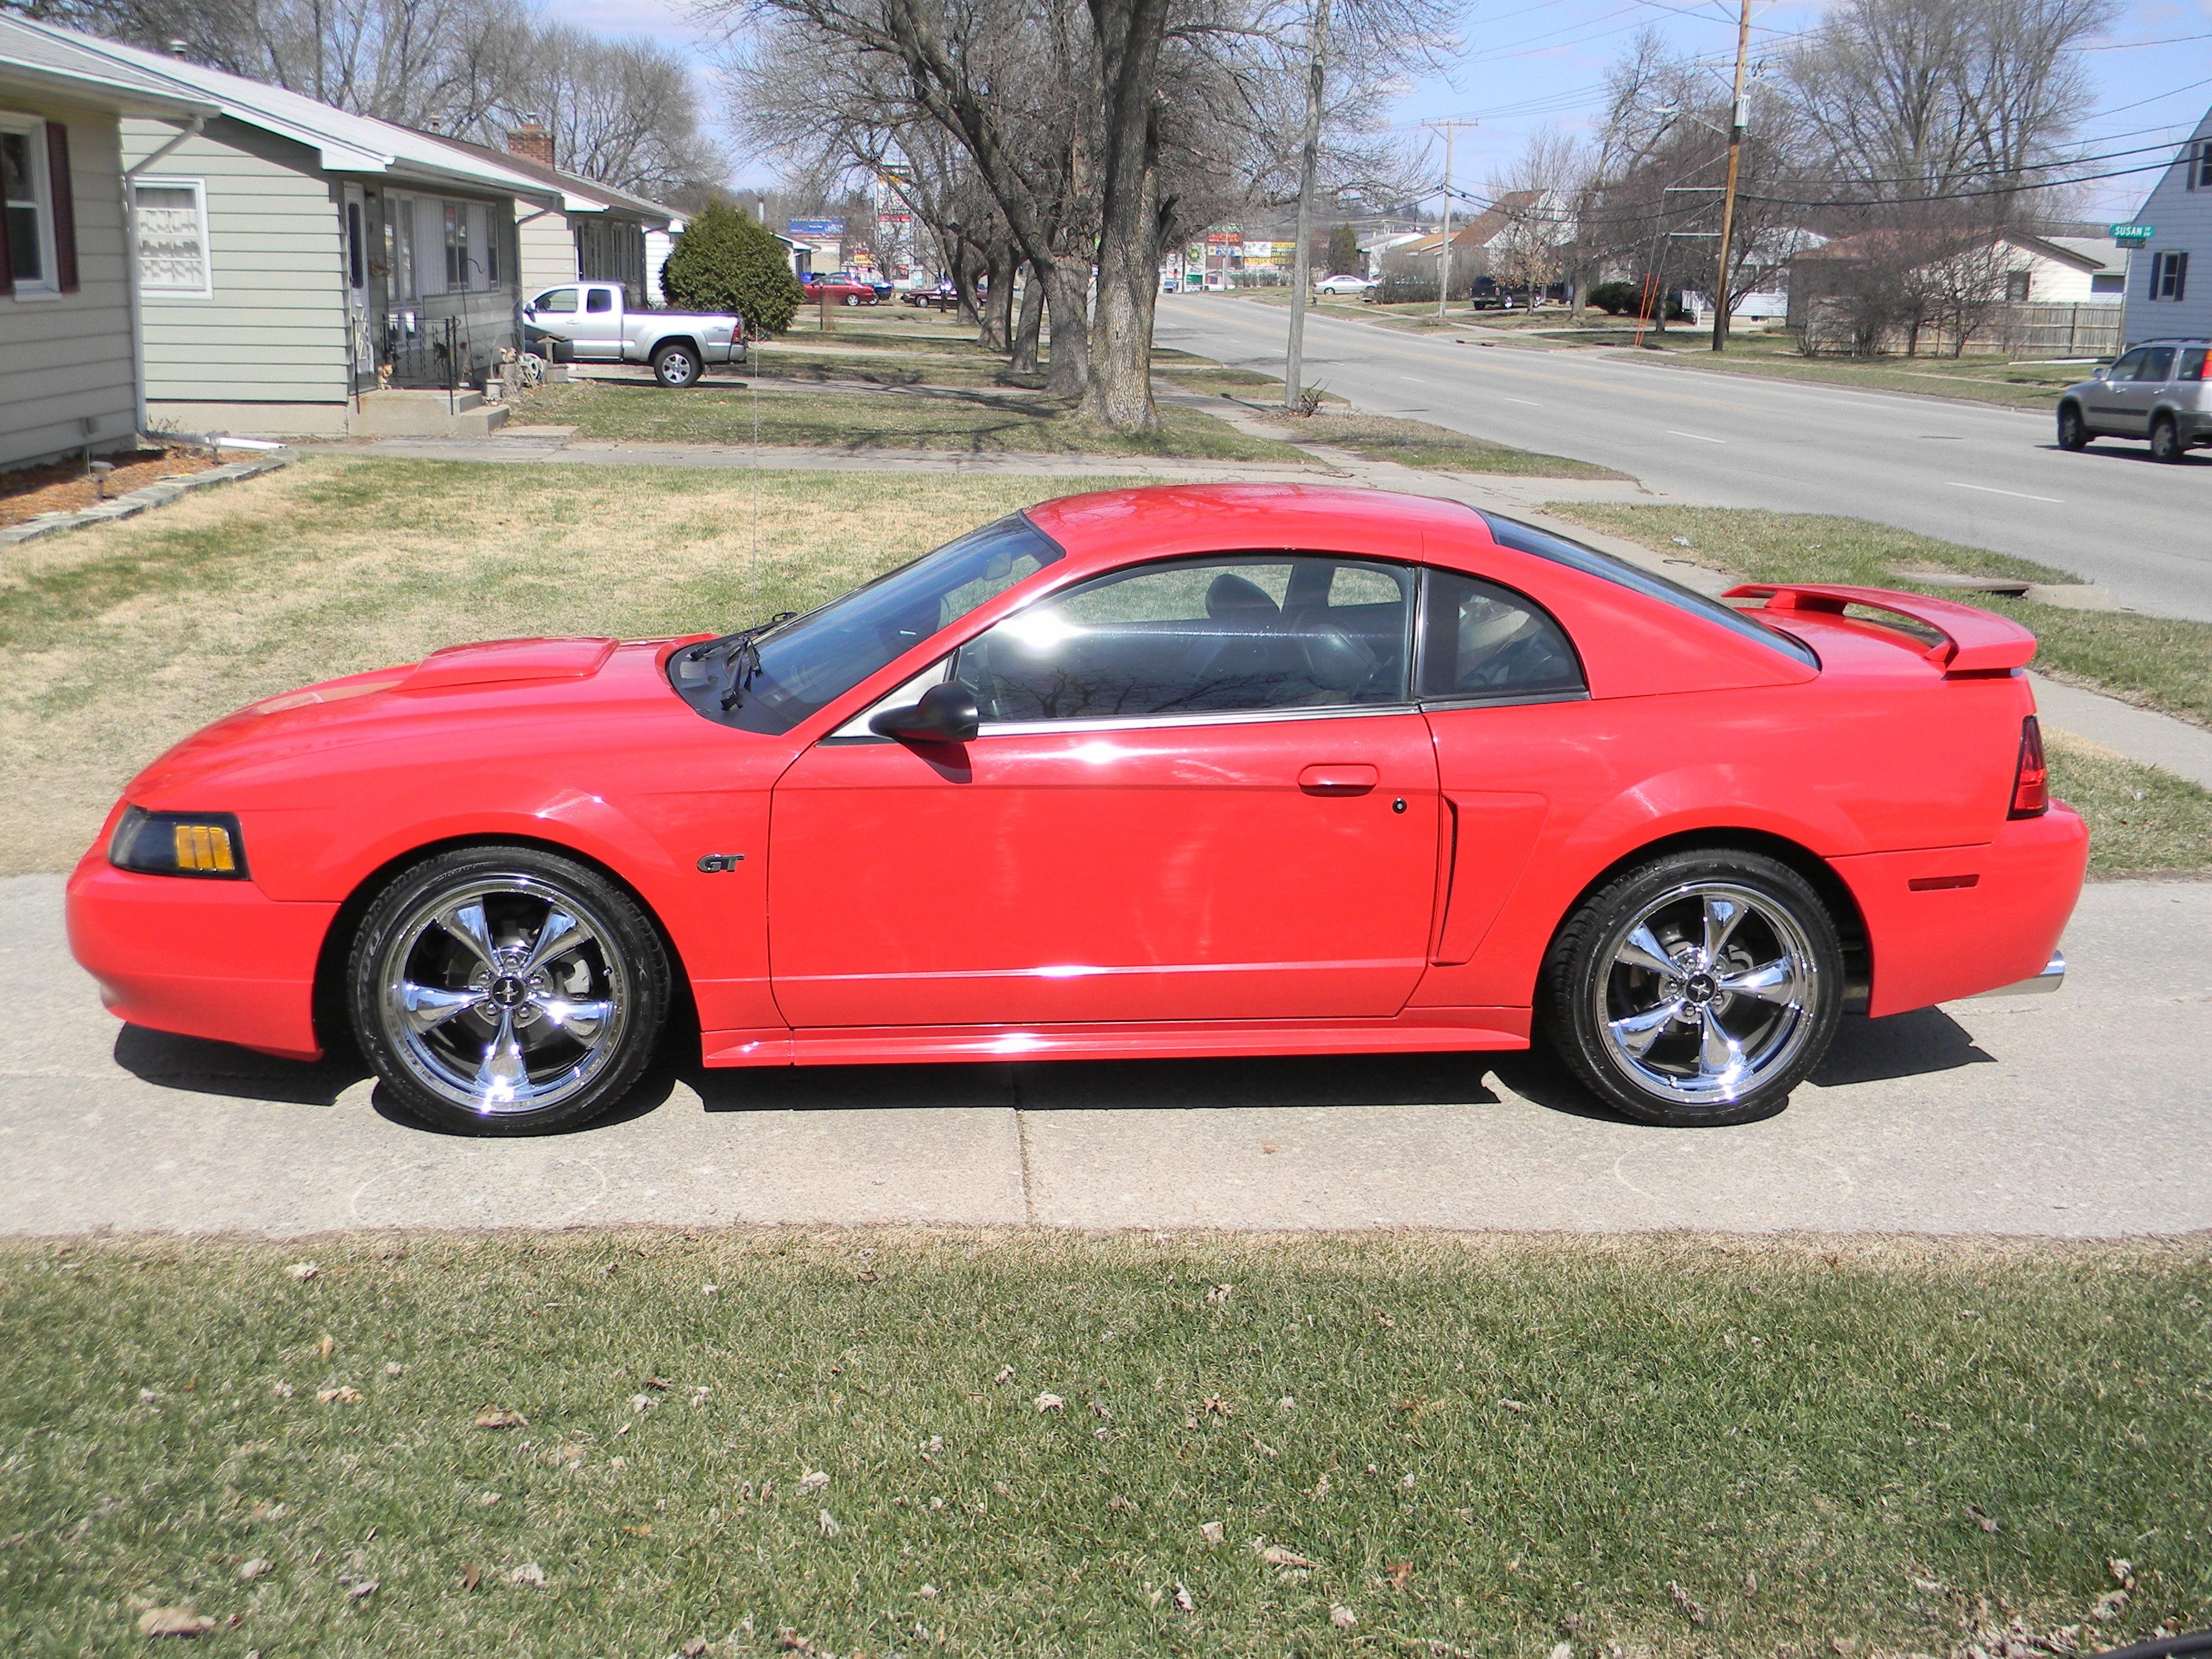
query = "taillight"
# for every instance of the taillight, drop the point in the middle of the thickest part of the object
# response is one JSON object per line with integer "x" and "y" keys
{"x": 2030, "y": 783}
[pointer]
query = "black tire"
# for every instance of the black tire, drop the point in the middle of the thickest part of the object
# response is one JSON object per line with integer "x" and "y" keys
{"x": 2073, "y": 431}
{"x": 676, "y": 367}
{"x": 433, "y": 993}
{"x": 1592, "y": 986}
{"x": 2166, "y": 443}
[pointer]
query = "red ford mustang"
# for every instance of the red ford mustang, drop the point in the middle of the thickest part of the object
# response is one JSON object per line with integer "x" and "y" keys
{"x": 1230, "y": 771}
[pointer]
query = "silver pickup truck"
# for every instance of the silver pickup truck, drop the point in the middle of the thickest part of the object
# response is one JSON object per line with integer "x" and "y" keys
{"x": 589, "y": 323}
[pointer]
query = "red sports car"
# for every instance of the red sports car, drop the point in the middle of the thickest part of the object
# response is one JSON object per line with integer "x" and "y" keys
{"x": 1229, "y": 770}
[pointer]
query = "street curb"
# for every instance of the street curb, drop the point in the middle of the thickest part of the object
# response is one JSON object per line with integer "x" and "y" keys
{"x": 131, "y": 505}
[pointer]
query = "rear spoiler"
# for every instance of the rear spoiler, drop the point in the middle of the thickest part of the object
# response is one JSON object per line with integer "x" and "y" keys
{"x": 1973, "y": 642}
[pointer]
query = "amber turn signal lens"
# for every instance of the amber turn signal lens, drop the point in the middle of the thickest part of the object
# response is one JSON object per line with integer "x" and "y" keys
{"x": 204, "y": 844}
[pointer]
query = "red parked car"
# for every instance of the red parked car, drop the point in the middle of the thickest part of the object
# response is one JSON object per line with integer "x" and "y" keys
{"x": 1224, "y": 770}
{"x": 840, "y": 291}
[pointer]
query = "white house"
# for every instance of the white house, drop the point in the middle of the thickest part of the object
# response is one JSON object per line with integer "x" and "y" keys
{"x": 2170, "y": 275}
{"x": 69, "y": 381}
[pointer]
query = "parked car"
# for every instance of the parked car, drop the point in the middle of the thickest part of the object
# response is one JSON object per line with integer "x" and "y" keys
{"x": 1101, "y": 780}
{"x": 589, "y": 323}
{"x": 943, "y": 298}
{"x": 841, "y": 291}
{"x": 2156, "y": 390}
{"x": 1170, "y": 283}
{"x": 1343, "y": 282}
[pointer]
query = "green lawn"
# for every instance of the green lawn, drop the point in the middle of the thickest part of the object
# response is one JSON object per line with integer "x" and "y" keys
{"x": 2141, "y": 818}
{"x": 1421, "y": 444}
{"x": 834, "y": 1443}
{"x": 971, "y": 421}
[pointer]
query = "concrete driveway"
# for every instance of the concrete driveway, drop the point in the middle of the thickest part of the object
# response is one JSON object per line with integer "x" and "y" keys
{"x": 2088, "y": 1113}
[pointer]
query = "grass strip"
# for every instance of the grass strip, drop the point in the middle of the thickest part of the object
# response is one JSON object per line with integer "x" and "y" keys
{"x": 1431, "y": 448}
{"x": 2142, "y": 819}
{"x": 2161, "y": 662}
{"x": 118, "y": 640}
{"x": 889, "y": 1443}
{"x": 968, "y": 421}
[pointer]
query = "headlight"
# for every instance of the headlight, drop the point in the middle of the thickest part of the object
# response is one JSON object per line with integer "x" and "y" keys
{"x": 205, "y": 844}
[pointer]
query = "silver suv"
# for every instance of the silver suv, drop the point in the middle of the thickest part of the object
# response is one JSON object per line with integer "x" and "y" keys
{"x": 2158, "y": 390}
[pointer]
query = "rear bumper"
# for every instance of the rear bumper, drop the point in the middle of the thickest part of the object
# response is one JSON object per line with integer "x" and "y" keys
{"x": 217, "y": 959}
{"x": 1962, "y": 921}
{"x": 2052, "y": 976}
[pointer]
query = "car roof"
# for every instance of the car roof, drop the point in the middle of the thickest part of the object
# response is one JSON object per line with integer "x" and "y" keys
{"x": 1106, "y": 522}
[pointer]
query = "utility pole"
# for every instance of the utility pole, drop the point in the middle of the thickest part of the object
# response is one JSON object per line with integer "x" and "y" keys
{"x": 1309, "y": 164}
{"x": 1443, "y": 248}
{"x": 1736, "y": 113}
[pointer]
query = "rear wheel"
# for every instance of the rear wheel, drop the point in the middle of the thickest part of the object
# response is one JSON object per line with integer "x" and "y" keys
{"x": 1698, "y": 989}
{"x": 2165, "y": 440}
{"x": 507, "y": 990}
{"x": 852, "y": 299}
{"x": 2073, "y": 432}
{"x": 676, "y": 366}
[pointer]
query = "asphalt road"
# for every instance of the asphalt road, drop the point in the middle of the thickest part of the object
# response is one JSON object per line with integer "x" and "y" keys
{"x": 2076, "y": 1115}
{"x": 1987, "y": 476}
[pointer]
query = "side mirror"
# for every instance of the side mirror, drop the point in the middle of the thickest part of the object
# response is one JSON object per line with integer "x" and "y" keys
{"x": 945, "y": 714}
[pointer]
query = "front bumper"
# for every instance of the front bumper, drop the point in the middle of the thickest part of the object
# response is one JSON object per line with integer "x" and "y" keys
{"x": 1948, "y": 923}
{"x": 217, "y": 959}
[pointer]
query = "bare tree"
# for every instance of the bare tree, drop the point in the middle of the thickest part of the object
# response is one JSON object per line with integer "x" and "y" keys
{"x": 1907, "y": 100}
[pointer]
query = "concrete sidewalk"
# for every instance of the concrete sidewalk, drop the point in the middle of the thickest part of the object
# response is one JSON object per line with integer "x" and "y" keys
{"x": 2077, "y": 1115}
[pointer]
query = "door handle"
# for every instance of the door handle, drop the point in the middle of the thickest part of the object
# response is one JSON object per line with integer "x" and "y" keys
{"x": 1351, "y": 778}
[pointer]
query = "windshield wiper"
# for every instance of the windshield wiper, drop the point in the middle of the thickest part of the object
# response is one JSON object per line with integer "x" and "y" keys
{"x": 734, "y": 658}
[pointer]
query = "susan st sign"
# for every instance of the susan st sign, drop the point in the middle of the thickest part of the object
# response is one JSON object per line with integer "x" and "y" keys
{"x": 2132, "y": 235}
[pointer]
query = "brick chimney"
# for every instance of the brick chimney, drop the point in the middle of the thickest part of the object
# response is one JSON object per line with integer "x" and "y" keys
{"x": 532, "y": 142}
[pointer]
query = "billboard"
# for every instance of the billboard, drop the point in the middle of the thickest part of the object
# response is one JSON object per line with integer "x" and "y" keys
{"x": 814, "y": 226}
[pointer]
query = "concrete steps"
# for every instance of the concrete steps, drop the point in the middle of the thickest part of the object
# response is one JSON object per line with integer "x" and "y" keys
{"x": 413, "y": 414}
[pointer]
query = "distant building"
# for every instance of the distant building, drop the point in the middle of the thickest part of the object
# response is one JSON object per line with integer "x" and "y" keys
{"x": 2169, "y": 289}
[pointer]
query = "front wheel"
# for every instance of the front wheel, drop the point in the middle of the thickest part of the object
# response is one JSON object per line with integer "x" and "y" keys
{"x": 2073, "y": 432}
{"x": 1698, "y": 989}
{"x": 2166, "y": 443}
{"x": 676, "y": 367}
{"x": 852, "y": 299}
{"x": 507, "y": 990}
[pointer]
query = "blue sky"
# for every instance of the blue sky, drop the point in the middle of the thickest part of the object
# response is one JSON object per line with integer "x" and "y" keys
{"x": 1528, "y": 65}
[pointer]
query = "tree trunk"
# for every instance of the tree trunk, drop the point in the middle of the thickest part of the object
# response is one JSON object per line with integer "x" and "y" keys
{"x": 996, "y": 333}
{"x": 1029, "y": 323}
{"x": 964, "y": 285}
{"x": 1067, "y": 372}
{"x": 1129, "y": 34}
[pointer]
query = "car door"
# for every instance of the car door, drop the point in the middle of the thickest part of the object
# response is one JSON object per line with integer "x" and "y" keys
{"x": 2110, "y": 397}
{"x": 599, "y": 334}
{"x": 554, "y": 313}
{"x": 2144, "y": 394}
{"x": 1199, "y": 792}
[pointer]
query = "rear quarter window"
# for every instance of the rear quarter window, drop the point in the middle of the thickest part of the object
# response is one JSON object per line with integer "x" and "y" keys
{"x": 1560, "y": 550}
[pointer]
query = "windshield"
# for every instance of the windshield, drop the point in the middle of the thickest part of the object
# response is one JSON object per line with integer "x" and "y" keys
{"x": 806, "y": 663}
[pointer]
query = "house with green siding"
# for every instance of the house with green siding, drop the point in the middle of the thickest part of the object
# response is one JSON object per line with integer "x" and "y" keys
{"x": 295, "y": 261}
{"x": 69, "y": 358}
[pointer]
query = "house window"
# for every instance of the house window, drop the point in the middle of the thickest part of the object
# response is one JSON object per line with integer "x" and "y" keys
{"x": 2169, "y": 276}
{"x": 2199, "y": 170}
{"x": 172, "y": 241}
{"x": 457, "y": 246}
{"x": 2016, "y": 286}
{"x": 356, "y": 256}
{"x": 2109, "y": 281}
{"x": 491, "y": 240}
{"x": 30, "y": 262}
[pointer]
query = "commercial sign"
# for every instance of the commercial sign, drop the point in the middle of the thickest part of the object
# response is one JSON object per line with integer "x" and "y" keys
{"x": 815, "y": 227}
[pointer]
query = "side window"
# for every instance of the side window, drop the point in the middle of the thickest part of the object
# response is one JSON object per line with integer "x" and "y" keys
{"x": 2157, "y": 366}
{"x": 599, "y": 298}
{"x": 2125, "y": 369}
{"x": 563, "y": 300}
{"x": 1482, "y": 641}
{"x": 2193, "y": 364}
{"x": 1219, "y": 635}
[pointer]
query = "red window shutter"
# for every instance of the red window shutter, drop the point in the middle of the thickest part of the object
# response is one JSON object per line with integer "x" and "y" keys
{"x": 64, "y": 198}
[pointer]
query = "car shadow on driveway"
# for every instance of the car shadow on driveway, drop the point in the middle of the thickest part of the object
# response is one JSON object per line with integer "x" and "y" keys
{"x": 1866, "y": 1051}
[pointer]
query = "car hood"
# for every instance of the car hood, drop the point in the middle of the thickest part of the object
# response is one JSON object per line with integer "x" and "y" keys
{"x": 447, "y": 694}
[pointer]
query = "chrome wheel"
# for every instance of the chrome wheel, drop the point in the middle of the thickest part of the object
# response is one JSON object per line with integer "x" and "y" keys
{"x": 1707, "y": 992}
{"x": 503, "y": 994}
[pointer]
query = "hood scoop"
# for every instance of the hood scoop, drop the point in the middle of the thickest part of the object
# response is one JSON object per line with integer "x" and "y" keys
{"x": 508, "y": 662}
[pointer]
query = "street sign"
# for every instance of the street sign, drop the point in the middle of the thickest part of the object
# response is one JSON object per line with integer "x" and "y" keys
{"x": 2132, "y": 235}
